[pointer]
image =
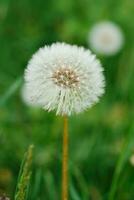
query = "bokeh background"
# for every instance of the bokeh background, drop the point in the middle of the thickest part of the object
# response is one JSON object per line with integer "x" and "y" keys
{"x": 101, "y": 139}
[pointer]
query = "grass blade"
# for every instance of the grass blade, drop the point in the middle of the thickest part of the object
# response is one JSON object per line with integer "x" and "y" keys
{"x": 128, "y": 146}
{"x": 12, "y": 89}
{"x": 24, "y": 176}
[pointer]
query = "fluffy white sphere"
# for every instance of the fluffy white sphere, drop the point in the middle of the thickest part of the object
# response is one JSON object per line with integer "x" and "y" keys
{"x": 106, "y": 38}
{"x": 65, "y": 78}
{"x": 27, "y": 98}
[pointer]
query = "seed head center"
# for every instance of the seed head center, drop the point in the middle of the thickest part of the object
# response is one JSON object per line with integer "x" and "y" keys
{"x": 65, "y": 77}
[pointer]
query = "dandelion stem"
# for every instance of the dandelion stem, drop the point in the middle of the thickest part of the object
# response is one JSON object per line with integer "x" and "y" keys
{"x": 65, "y": 161}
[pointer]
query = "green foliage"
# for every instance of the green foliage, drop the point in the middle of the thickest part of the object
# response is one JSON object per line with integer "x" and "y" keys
{"x": 101, "y": 139}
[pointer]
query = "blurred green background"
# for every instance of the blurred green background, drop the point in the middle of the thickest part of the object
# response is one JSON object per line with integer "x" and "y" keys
{"x": 101, "y": 139}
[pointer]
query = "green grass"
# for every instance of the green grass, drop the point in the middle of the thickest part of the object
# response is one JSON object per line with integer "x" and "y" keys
{"x": 101, "y": 139}
{"x": 23, "y": 183}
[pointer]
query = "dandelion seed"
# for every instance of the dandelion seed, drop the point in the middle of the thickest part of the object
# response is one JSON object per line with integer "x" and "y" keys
{"x": 106, "y": 38}
{"x": 65, "y": 78}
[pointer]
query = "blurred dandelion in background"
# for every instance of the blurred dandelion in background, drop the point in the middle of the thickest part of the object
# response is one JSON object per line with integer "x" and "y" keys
{"x": 132, "y": 159}
{"x": 106, "y": 38}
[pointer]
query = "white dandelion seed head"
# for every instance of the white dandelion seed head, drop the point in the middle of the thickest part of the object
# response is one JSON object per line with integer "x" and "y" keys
{"x": 65, "y": 78}
{"x": 106, "y": 38}
{"x": 27, "y": 98}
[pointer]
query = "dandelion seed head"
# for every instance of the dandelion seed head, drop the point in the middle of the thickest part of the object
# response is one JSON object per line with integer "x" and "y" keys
{"x": 27, "y": 97}
{"x": 65, "y": 78}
